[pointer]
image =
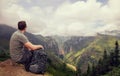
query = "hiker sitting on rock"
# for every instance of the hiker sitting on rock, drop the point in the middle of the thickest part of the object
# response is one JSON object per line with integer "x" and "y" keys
{"x": 21, "y": 50}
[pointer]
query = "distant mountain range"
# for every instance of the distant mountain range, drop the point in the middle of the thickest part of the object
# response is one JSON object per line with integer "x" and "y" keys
{"x": 89, "y": 49}
{"x": 113, "y": 32}
{"x": 77, "y": 50}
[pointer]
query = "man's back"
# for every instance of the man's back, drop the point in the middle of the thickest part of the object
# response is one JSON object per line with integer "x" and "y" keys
{"x": 17, "y": 45}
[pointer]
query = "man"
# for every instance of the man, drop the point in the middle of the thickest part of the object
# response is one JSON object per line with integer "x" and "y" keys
{"x": 20, "y": 47}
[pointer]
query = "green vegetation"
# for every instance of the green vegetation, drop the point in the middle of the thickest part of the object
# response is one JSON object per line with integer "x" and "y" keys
{"x": 4, "y": 54}
{"x": 92, "y": 53}
{"x": 91, "y": 57}
{"x": 56, "y": 67}
{"x": 60, "y": 70}
{"x": 108, "y": 64}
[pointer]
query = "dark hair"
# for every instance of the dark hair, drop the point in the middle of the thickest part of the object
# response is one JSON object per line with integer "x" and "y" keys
{"x": 22, "y": 25}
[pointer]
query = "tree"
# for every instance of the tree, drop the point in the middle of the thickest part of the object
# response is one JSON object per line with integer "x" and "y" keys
{"x": 107, "y": 63}
{"x": 88, "y": 70}
{"x": 116, "y": 54}
{"x": 79, "y": 72}
{"x": 111, "y": 59}
{"x": 105, "y": 55}
{"x": 64, "y": 67}
{"x": 93, "y": 73}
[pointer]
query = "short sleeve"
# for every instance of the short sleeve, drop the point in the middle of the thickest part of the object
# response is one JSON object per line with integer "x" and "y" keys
{"x": 22, "y": 38}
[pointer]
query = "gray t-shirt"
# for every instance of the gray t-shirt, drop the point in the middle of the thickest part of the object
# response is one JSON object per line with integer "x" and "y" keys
{"x": 17, "y": 42}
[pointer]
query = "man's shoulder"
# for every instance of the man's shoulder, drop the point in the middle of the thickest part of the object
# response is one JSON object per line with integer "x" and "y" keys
{"x": 18, "y": 33}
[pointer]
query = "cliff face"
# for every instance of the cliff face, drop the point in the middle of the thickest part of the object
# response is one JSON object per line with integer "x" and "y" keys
{"x": 7, "y": 69}
{"x": 52, "y": 45}
{"x": 77, "y": 43}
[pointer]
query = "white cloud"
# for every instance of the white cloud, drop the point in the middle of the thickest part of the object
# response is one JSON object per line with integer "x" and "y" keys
{"x": 68, "y": 18}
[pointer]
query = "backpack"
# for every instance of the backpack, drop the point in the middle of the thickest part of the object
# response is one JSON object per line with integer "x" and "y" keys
{"x": 38, "y": 62}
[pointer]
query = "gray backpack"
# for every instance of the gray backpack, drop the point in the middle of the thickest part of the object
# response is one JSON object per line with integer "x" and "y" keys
{"x": 38, "y": 62}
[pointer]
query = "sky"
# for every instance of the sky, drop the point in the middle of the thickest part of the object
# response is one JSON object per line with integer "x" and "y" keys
{"x": 62, "y": 17}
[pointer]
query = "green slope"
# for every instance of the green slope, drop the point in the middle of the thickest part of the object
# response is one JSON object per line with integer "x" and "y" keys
{"x": 57, "y": 67}
{"x": 93, "y": 52}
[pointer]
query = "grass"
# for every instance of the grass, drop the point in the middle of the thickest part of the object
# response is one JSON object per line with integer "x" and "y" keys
{"x": 72, "y": 67}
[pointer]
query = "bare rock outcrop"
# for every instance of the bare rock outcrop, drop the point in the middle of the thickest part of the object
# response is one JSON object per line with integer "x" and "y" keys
{"x": 8, "y": 69}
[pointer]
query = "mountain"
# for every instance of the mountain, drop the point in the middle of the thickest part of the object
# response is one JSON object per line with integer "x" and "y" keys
{"x": 5, "y": 35}
{"x": 60, "y": 41}
{"x": 76, "y": 43}
{"x": 78, "y": 50}
{"x": 52, "y": 45}
{"x": 112, "y": 32}
{"x": 95, "y": 50}
{"x": 83, "y": 50}
{"x": 55, "y": 64}
{"x": 92, "y": 52}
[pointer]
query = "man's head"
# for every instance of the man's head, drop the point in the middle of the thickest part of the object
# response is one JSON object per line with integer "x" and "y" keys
{"x": 22, "y": 25}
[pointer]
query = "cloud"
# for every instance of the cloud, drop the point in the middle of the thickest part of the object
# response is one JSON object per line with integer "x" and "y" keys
{"x": 9, "y": 11}
{"x": 13, "y": 12}
{"x": 62, "y": 17}
{"x": 88, "y": 15}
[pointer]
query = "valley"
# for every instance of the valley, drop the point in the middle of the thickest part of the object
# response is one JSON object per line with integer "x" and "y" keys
{"x": 66, "y": 53}
{"x": 81, "y": 51}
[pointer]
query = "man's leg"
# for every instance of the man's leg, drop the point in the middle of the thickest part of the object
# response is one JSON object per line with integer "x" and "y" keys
{"x": 26, "y": 59}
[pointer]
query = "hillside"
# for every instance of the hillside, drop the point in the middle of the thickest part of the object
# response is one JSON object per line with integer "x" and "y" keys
{"x": 79, "y": 51}
{"x": 52, "y": 45}
{"x": 61, "y": 40}
{"x": 77, "y": 43}
{"x": 92, "y": 52}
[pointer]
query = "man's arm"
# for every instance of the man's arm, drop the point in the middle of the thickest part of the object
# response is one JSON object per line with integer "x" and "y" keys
{"x": 30, "y": 46}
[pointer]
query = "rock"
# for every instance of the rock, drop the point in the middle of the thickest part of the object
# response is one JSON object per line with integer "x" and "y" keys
{"x": 8, "y": 69}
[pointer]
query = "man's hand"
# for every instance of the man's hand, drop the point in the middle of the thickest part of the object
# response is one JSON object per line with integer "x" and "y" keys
{"x": 41, "y": 47}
